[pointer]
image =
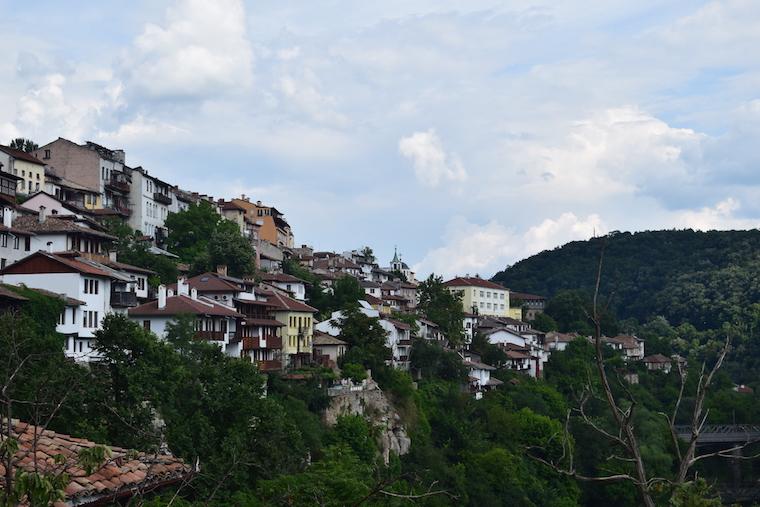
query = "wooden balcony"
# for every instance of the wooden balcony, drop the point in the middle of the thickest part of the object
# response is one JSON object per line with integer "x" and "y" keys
{"x": 162, "y": 198}
{"x": 123, "y": 299}
{"x": 216, "y": 336}
{"x": 118, "y": 184}
{"x": 273, "y": 365}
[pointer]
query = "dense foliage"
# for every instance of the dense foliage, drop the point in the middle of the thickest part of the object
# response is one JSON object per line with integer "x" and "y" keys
{"x": 703, "y": 278}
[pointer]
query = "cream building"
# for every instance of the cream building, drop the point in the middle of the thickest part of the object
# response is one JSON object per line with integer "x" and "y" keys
{"x": 487, "y": 297}
{"x": 29, "y": 168}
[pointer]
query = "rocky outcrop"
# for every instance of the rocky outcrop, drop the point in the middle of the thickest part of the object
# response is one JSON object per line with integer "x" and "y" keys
{"x": 368, "y": 400}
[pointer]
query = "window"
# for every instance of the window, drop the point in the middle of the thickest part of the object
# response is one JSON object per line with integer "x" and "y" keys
{"x": 29, "y": 186}
{"x": 16, "y": 242}
{"x": 62, "y": 318}
{"x": 47, "y": 154}
{"x": 91, "y": 286}
{"x": 4, "y": 240}
{"x": 146, "y": 325}
{"x": 2, "y": 263}
{"x": 481, "y": 304}
{"x": 37, "y": 185}
{"x": 23, "y": 174}
{"x": 488, "y": 305}
{"x": 488, "y": 295}
{"x": 502, "y": 295}
{"x": 38, "y": 175}
{"x": 481, "y": 293}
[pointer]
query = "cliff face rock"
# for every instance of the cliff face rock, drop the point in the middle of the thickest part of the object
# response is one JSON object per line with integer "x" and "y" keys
{"x": 369, "y": 401}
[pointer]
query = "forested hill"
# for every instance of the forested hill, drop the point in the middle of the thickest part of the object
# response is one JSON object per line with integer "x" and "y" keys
{"x": 705, "y": 278}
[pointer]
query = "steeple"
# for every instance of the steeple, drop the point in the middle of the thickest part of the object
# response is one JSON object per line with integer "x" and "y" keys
{"x": 395, "y": 256}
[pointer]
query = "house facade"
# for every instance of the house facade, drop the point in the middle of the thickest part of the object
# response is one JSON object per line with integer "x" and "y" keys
{"x": 487, "y": 297}
{"x": 92, "y": 285}
{"x": 92, "y": 166}
{"x": 29, "y": 168}
{"x": 151, "y": 201}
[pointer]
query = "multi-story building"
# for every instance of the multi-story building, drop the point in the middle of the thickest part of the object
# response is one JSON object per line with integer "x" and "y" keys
{"x": 530, "y": 304}
{"x": 96, "y": 288}
{"x": 298, "y": 329}
{"x": 15, "y": 243}
{"x": 57, "y": 233}
{"x": 70, "y": 192}
{"x": 215, "y": 323}
{"x": 487, "y": 297}
{"x": 273, "y": 227}
{"x": 259, "y": 333}
{"x": 25, "y": 165}
{"x": 152, "y": 199}
{"x": 94, "y": 167}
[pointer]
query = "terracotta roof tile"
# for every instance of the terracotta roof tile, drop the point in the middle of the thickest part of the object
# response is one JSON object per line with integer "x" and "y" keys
{"x": 138, "y": 471}
{"x": 471, "y": 281}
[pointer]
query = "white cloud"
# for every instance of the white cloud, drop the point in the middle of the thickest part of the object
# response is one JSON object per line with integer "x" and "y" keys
{"x": 718, "y": 217}
{"x": 201, "y": 50}
{"x": 142, "y": 129}
{"x": 483, "y": 249}
{"x": 431, "y": 162}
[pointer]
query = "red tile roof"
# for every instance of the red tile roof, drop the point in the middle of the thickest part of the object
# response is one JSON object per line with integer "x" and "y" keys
{"x": 20, "y": 267}
{"x": 209, "y": 282}
{"x": 472, "y": 281}
{"x": 54, "y": 225}
{"x": 176, "y": 305}
{"x": 280, "y": 277}
{"x": 290, "y": 304}
{"x": 657, "y": 358}
{"x": 21, "y": 155}
{"x": 124, "y": 474}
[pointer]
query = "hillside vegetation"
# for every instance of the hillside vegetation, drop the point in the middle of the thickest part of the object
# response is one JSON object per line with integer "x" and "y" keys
{"x": 704, "y": 278}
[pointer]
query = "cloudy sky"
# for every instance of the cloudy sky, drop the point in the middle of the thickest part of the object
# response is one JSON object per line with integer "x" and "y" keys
{"x": 469, "y": 133}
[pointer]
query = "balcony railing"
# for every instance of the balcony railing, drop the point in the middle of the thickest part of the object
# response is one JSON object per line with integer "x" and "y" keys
{"x": 162, "y": 198}
{"x": 123, "y": 299}
{"x": 118, "y": 184}
{"x": 273, "y": 365}
{"x": 210, "y": 335}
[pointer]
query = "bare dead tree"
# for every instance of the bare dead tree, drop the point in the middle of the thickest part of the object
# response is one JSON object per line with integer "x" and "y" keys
{"x": 622, "y": 410}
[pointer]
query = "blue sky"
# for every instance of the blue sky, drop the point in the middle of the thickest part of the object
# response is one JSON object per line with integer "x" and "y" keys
{"x": 470, "y": 134}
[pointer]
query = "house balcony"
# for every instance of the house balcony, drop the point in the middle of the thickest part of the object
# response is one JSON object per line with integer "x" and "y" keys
{"x": 266, "y": 366}
{"x": 216, "y": 336}
{"x": 256, "y": 343}
{"x": 162, "y": 198}
{"x": 405, "y": 343}
{"x": 118, "y": 184}
{"x": 123, "y": 299}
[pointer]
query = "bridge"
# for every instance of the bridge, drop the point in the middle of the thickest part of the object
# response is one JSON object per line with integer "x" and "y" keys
{"x": 722, "y": 434}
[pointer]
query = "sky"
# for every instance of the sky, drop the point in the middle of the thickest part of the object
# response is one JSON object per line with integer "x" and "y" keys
{"x": 467, "y": 134}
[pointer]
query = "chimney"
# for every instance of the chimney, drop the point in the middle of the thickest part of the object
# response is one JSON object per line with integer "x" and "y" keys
{"x": 183, "y": 289}
{"x": 43, "y": 215}
{"x": 161, "y": 296}
{"x": 258, "y": 203}
{"x": 169, "y": 293}
{"x": 194, "y": 293}
{"x": 8, "y": 217}
{"x": 221, "y": 269}
{"x": 50, "y": 247}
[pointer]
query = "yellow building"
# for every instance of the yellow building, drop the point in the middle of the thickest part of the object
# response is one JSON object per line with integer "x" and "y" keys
{"x": 298, "y": 333}
{"x": 515, "y": 313}
{"x": 26, "y": 166}
{"x": 487, "y": 298}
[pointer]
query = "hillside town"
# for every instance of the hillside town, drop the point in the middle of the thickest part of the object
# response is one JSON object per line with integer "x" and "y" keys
{"x": 59, "y": 200}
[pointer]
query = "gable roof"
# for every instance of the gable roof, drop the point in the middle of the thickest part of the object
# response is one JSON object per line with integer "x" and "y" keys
{"x": 287, "y": 303}
{"x": 176, "y": 305}
{"x": 42, "y": 262}
{"x": 657, "y": 358}
{"x": 124, "y": 474}
{"x": 280, "y": 277}
{"x": 21, "y": 155}
{"x": 473, "y": 281}
{"x": 526, "y": 297}
{"x": 210, "y": 282}
{"x": 55, "y": 225}
{"x": 321, "y": 338}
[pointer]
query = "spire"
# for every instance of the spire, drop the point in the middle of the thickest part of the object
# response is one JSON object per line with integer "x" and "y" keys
{"x": 395, "y": 255}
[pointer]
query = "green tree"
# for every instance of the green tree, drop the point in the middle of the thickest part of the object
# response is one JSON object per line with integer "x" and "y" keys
{"x": 23, "y": 144}
{"x": 203, "y": 239}
{"x": 544, "y": 322}
{"x": 443, "y": 307}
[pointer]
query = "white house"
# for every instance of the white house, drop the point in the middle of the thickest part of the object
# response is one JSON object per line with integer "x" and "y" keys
{"x": 152, "y": 199}
{"x": 289, "y": 283}
{"x": 632, "y": 347}
{"x": 398, "y": 334}
{"x": 63, "y": 233}
{"x": 91, "y": 284}
{"x": 214, "y": 322}
{"x": 479, "y": 378}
